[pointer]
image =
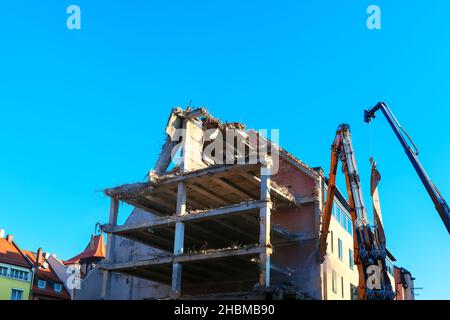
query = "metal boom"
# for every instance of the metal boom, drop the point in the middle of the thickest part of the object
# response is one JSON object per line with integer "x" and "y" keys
{"x": 438, "y": 200}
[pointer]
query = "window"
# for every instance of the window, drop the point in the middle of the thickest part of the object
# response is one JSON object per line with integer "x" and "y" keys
{"x": 350, "y": 226}
{"x": 57, "y": 287}
{"x": 23, "y": 275}
{"x": 331, "y": 242}
{"x": 353, "y": 292}
{"x": 390, "y": 267}
{"x": 340, "y": 248}
{"x": 333, "y": 281}
{"x": 16, "y": 294}
{"x": 342, "y": 287}
{"x": 342, "y": 218}
{"x": 337, "y": 214}
{"x": 3, "y": 271}
{"x": 351, "y": 259}
{"x": 42, "y": 284}
{"x": 18, "y": 274}
{"x": 14, "y": 273}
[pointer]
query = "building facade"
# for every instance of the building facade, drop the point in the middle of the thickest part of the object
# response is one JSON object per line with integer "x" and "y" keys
{"x": 404, "y": 284}
{"x": 46, "y": 283}
{"x": 16, "y": 273}
{"x": 76, "y": 269}
{"x": 341, "y": 274}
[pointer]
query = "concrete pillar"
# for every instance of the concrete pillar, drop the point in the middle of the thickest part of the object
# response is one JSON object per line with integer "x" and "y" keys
{"x": 265, "y": 226}
{"x": 110, "y": 247}
{"x": 178, "y": 248}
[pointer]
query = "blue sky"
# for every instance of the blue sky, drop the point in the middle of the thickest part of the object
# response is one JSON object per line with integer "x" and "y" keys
{"x": 81, "y": 110}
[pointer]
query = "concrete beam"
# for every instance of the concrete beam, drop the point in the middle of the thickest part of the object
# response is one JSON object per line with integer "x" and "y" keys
{"x": 207, "y": 255}
{"x": 293, "y": 236}
{"x": 208, "y": 194}
{"x": 305, "y": 199}
{"x": 129, "y": 191}
{"x": 233, "y": 189}
{"x": 199, "y": 112}
{"x": 202, "y": 215}
{"x": 165, "y": 157}
{"x": 215, "y": 171}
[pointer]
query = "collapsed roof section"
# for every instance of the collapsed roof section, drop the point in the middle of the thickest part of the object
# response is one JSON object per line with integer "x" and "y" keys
{"x": 204, "y": 151}
{"x": 190, "y": 132}
{"x": 197, "y": 140}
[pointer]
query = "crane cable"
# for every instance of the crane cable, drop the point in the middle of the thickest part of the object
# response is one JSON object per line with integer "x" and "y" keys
{"x": 370, "y": 147}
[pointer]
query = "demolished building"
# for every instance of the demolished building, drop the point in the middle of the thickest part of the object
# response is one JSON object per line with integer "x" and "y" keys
{"x": 225, "y": 214}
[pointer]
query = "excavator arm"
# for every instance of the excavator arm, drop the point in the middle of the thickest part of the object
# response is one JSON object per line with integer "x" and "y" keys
{"x": 369, "y": 254}
{"x": 328, "y": 208}
{"x": 412, "y": 153}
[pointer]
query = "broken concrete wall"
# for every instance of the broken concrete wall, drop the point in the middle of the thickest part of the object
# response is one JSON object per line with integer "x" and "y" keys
{"x": 128, "y": 287}
{"x": 301, "y": 257}
{"x": 91, "y": 286}
{"x": 193, "y": 147}
{"x": 125, "y": 287}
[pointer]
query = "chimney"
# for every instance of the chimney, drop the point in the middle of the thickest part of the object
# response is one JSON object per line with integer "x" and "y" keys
{"x": 39, "y": 257}
{"x": 9, "y": 238}
{"x": 2, "y": 233}
{"x": 46, "y": 255}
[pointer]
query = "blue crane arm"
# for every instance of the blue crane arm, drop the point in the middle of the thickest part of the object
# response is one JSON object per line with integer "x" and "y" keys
{"x": 412, "y": 153}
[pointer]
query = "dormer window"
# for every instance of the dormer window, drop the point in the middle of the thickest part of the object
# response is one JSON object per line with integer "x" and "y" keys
{"x": 42, "y": 284}
{"x": 57, "y": 287}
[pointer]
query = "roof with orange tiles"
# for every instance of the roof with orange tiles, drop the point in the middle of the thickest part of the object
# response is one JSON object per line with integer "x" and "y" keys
{"x": 43, "y": 271}
{"x": 11, "y": 254}
{"x": 96, "y": 249}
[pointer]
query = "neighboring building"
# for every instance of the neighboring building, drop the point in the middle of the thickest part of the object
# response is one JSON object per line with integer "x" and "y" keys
{"x": 125, "y": 287}
{"x": 75, "y": 270}
{"x": 15, "y": 271}
{"x": 342, "y": 275}
{"x": 46, "y": 283}
{"x": 404, "y": 283}
{"x": 63, "y": 272}
{"x": 205, "y": 230}
{"x": 91, "y": 256}
{"x": 390, "y": 261}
